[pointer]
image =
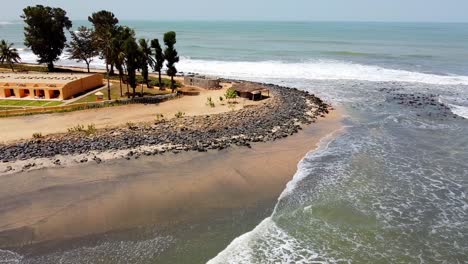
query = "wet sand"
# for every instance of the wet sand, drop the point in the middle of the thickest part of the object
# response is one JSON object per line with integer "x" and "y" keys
{"x": 63, "y": 203}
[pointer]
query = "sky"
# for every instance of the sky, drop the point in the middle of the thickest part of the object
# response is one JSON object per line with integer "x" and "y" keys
{"x": 277, "y": 10}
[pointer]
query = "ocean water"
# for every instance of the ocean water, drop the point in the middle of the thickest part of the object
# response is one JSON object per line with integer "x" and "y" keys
{"x": 392, "y": 188}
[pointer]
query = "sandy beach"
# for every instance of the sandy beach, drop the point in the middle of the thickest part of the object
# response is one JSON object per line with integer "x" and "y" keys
{"x": 61, "y": 203}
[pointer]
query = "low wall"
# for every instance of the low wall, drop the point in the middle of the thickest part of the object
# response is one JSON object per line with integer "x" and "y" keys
{"x": 84, "y": 106}
{"x": 203, "y": 82}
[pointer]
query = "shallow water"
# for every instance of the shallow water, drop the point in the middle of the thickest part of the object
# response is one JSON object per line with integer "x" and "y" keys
{"x": 392, "y": 189}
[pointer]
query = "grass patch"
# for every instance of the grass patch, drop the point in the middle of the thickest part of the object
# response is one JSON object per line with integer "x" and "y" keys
{"x": 115, "y": 92}
{"x": 28, "y": 103}
{"x": 153, "y": 81}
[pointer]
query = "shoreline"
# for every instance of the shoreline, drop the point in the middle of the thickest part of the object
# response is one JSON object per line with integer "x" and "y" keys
{"x": 86, "y": 199}
{"x": 282, "y": 115}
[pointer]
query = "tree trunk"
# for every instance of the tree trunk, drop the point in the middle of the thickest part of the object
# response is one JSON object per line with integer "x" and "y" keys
{"x": 128, "y": 90}
{"x": 142, "y": 84}
{"x": 11, "y": 66}
{"x": 112, "y": 69}
{"x": 172, "y": 84}
{"x": 87, "y": 64}
{"x": 120, "y": 79}
{"x": 134, "y": 91}
{"x": 160, "y": 83}
{"x": 50, "y": 66}
{"x": 108, "y": 83}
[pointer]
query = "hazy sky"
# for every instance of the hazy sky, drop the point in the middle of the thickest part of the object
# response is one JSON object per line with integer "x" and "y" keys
{"x": 341, "y": 10}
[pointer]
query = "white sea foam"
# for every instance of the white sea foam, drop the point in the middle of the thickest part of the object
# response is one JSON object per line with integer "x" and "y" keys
{"x": 272, "y": 245}
{"x": 314, "y": 69}
{"x": 311, "y": 70}
{"x": 459, "y": 110}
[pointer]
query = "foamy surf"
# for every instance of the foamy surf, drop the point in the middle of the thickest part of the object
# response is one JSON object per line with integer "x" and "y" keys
{"x": 315, "y": 70}
{"x": 308, "y": 70}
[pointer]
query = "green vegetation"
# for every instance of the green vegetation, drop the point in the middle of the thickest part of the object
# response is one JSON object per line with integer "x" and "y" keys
{"x": 159, "y": 118}
{"x": 179, "y": 114}
{"x": 159, "y": 60}
{"x": 230, "y": 94}
{"x": 44, "y": 32}
{"x": 83, "y": 46}
{"x": 8, "y": 54}
{"x": 146, "y": 60}
{"x": 132, "y": 62}
{"x": 119, "y": 56}
{"x": 89, "y": 130}
{"x": 209, "y": 102}
{"x": 171, "y": 55}
{"x": 27, "y": 103}
{"x": 37, "y": 135}
{"x": 115, "y": 93}
{"x": 105, "y": 23}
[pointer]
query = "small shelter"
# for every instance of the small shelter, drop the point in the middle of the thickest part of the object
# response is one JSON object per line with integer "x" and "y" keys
{"x": 201, "y": 81}
{"x": 251, "y": 91}
{"x": 99, "y": 96}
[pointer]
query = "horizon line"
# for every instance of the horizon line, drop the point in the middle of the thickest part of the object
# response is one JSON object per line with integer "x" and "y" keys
{"x": 267, "y": 20}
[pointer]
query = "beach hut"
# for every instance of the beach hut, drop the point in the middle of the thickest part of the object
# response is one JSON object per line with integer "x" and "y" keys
{"x": 99, "y": 96}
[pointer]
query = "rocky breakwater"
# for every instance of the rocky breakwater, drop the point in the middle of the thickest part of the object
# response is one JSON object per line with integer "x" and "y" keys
{"x": 277, "y": 117}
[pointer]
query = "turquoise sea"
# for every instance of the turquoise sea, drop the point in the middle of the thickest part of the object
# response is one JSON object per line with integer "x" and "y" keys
{"x": 392, "y": 188}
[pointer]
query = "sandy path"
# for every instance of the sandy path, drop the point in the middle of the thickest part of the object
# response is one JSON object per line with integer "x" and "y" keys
{"x": 23, "y": 127}
{"x": 54, "y": 204}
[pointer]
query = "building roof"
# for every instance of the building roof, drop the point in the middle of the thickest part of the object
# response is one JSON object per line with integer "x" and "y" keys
{"x": 40, "y": 78}
{"x": 248, "y": 88}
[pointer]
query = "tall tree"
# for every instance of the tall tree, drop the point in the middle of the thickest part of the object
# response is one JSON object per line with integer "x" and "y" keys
{"x": 170, "y": 53}
{"x": 44, "y": 32}
{"x": 132, "y": 61}
{"x": 105, "y": 23}
{"x": 8, "y": 54}
{"x": 146, "y": 61}
{"x": 83, "y": 46}
{"x": 118, "y": 53}
{"x": 159, "y": 59}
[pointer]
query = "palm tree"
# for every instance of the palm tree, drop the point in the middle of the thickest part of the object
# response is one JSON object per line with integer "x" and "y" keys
{"x": 9, "y": 54}
{"x": 147, "y": 61}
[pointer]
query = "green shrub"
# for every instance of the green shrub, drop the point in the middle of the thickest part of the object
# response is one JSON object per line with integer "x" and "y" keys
{"x": 230, "y": 94}
{"x": 209, "y": 102}
{"x": 37, "y": 135}
{"x": 89, "y": 130}
{"x": 131, "y": 125}
{"x": 179, "y": 114}
{"x": 77, "y": 128}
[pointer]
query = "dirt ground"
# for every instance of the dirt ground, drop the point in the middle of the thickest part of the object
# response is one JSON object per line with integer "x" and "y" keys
{"x": 23, "y": 127}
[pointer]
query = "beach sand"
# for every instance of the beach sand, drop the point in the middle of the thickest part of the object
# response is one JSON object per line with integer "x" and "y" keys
{"x": 63, "y": 203}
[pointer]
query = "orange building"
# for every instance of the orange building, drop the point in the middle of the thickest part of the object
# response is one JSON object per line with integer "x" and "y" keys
{"x": 47, "y": 85}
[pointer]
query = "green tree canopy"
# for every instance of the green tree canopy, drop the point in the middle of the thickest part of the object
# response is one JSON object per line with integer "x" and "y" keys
{"x": 146, "y": 59}
{"x": 83, "y": 46}
{"x": 105, "y": 28}
{"x": 121, "y": 35}
{"x": 105, "y": 24}
{"x": 132, "y": 61}
{"x": 8, "y": 54}
{"x": 44, "y": 32}
{"x": 171, "y": 55}
{"x": 159, "y": 58}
